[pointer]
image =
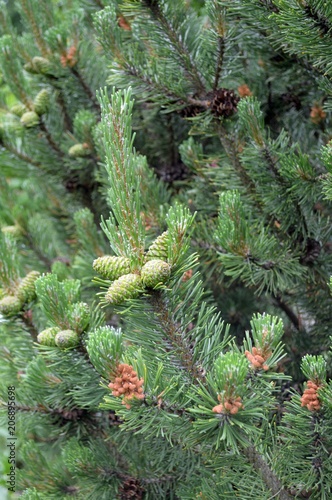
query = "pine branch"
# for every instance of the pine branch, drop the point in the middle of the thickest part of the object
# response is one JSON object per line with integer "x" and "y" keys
{"x": 321, "y": 21}
{"x": 220, "y": 58}
{"x": 67, "y": 119}
{"x": 28, "y": 11}
{"x": 50, "y": 140}
{"x": 269, "y": 5}
{"x": 229, "y": 146}
{"x": 290, "y": 313}
{"x": 173, "y": 334}
{"x": 8, "y": 146}
{"x": 175, "y": 40}
{"x": 151, "y": 85}
{"x": 48, "y": 262}
{"x": 268, "y": 476}
{"x": 86, "y": 88}
{"x": 26, "y": 319}
{"x": 99, "y": 3}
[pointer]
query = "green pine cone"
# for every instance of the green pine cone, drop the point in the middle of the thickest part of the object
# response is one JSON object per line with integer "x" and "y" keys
{"x": 67, "y": 339}
{"x": 39, "y": 65}
{"x": 26, "y": 290}
{"x": 42, "y": 102}
{"x": 159, "y": 248}
{"x": 79, "y": 315}
{"x": 79, "y": 150}
{"x": 111, "y": 267}
{"x": 155, "y": 272}
{"x": 47, "y": 337}
{"x": 126, "y": 287}
{"x": 18, "y": 109}
{"x": 29, "y": 119}
{"x": 10, "y": 305}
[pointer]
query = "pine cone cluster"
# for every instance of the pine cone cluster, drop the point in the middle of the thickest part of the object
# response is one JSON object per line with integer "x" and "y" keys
{"x": 47, "y": 336}
{"x": 127, "y": 384}
{"x": 310, "y": 396}
{"x": 228, "y": 405}
{"x": 258, "y": 358}
{"x": 13, "y": 303}
{"x": 127, "y": 285}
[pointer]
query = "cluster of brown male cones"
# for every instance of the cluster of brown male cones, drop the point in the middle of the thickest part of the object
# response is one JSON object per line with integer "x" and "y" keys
{"x": 127, "y": 384}
{"x": 310, "y": 396}
{"x": 229, "y": 405}
{"x": 69, "y": 58}
{"x": 258, "y": 358}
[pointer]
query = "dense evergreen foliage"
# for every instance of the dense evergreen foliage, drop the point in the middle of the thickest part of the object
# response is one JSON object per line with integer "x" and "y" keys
{"x": 166, "y": 249}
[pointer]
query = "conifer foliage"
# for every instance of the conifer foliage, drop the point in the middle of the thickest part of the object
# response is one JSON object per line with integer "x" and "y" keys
{"x": 166, "y": 249}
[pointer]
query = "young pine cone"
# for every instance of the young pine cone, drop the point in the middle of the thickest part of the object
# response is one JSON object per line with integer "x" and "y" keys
{"x": 159, "y": 248}
{"x": 126, "y": 287}
{"x": 10, "y": 305}
{"x": 155, "y": 272}
{"x": 67, "y": 339}
{"x": 42, "y": 102}
{"x": 26, "y": 290}
{"x": 47, "y": 336}
{"x": 29, "y": 119}
{"x": 111, "y": 267}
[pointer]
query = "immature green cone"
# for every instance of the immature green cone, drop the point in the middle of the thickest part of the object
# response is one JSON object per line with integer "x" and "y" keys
{"x": 126, "y": 287}
{"x": 155, "y": 272}
{"x": 18, "y": 109}
{"x": 29, "y": 119}
{"x": 79, "y": 150}
{"x": 111, "y": 267}
{"x": 38, "y": 65}
{"x": 10, "y": 305}
{"x": 159, "y": 248}
{"x": 42, "y": 102}
{"x": 47, "y": 337}
{"x": 67, "y": 339}
{"x": 26, "y": 290}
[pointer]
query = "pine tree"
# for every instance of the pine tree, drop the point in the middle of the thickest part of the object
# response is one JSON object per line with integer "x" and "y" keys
{"x": 166, "y": 269}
